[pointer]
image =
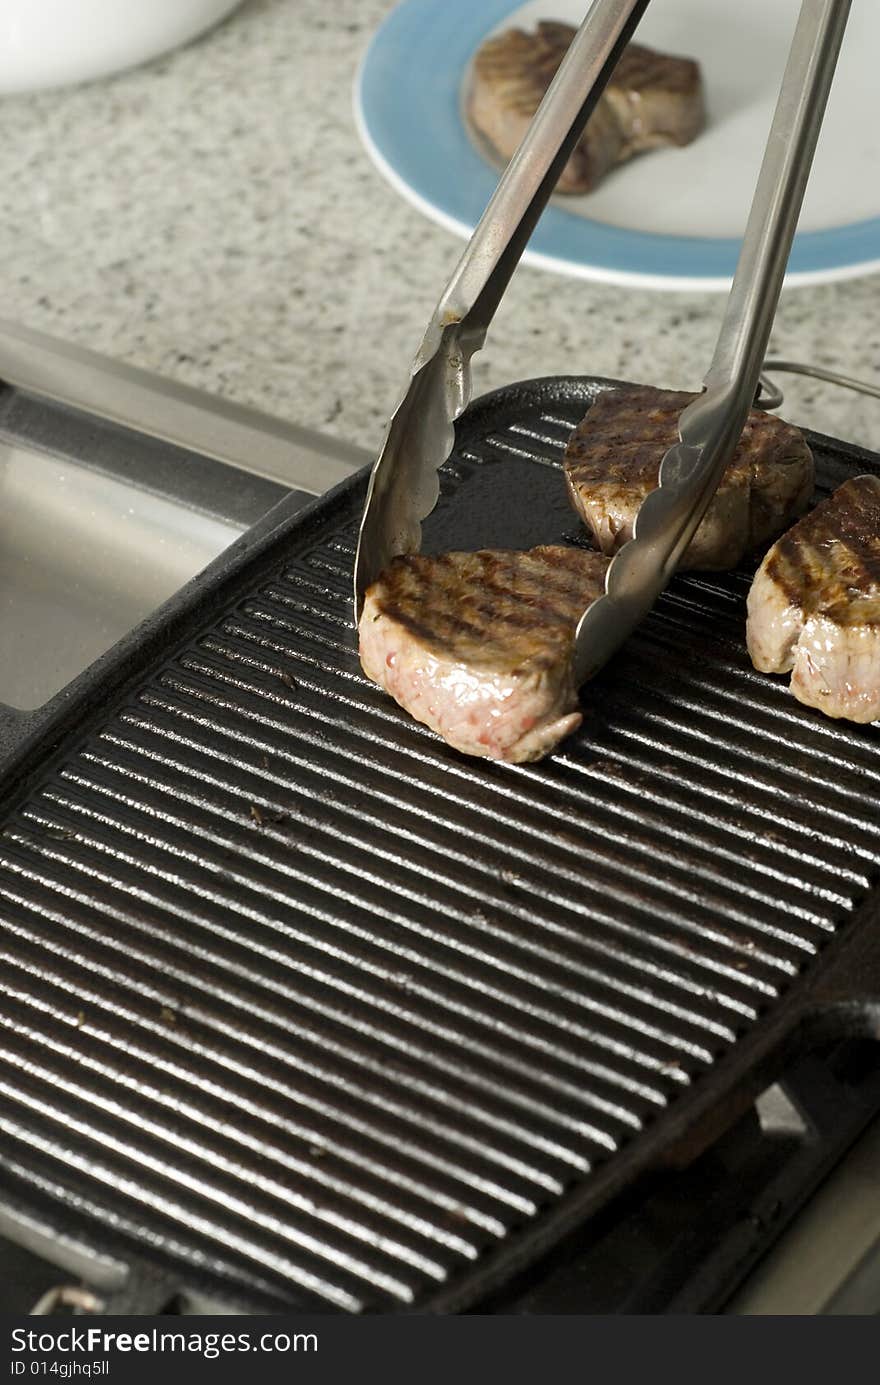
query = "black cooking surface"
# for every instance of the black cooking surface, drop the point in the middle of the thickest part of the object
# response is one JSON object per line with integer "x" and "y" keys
{"x": 312, "y": 1008}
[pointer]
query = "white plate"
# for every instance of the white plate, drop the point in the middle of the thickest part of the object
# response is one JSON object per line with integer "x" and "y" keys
{"x": 673, "y": 218}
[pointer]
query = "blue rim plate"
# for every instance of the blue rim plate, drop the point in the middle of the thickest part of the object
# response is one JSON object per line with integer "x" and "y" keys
{"x": 407, "y": 104}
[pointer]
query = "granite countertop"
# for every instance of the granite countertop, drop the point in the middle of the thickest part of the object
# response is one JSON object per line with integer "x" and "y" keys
{"x": 213, "y": 217}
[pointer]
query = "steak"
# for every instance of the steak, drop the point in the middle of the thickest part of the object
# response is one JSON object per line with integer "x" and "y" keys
{"x": 651, "y": 100}
{"x": 478, "y": 646}
{"x": 814, "y": 606}
{"x": 612, "y": 461}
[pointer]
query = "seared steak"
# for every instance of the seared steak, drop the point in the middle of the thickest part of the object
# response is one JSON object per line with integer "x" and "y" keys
{"x": 613, "y": 458}
{"x": 651, "y": 100}
{"x": 478, "y": 646}
{"x": 814, "y": 606}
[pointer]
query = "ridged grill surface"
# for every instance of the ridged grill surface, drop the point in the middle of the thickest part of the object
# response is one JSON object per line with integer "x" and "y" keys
{"x": 299, "y": 999}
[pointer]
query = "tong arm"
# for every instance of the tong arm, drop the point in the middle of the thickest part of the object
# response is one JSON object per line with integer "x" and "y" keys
{"x": 710, "y": 426}
{"x": 403, "y": 487}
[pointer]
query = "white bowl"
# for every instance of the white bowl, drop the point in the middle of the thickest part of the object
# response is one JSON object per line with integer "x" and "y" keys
{"x": 48, "y": 43}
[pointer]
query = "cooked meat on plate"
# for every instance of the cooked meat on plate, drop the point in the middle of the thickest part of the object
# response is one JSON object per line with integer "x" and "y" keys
{"x": 478, "y": 646}
{"x": 613, "y": 459}
{"x": 814, "y": 606}
{"x": 651, "y": 100}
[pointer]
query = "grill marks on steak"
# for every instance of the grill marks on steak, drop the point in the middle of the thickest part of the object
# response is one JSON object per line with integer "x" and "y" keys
{"x": 814, "y": 606}
{"x": 478, "y": 646}
{"x": 652, "y": 99}
{"x": 612, "y": 462}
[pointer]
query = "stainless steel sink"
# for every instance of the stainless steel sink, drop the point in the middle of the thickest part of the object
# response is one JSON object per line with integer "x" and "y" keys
{"x": 83, "y": 558}
{"x": 116, "y": 488}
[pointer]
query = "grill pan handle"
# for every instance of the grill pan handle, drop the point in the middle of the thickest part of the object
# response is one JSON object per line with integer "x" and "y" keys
{"x": 839, "y": 998}
{"x": 844, "y": 997}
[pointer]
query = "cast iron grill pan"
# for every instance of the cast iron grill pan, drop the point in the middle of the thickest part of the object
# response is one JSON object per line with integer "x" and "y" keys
{"x": 304, "y": 1005}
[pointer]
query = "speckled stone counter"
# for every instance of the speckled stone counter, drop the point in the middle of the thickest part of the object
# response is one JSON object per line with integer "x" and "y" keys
{"x": 213, "y": 217}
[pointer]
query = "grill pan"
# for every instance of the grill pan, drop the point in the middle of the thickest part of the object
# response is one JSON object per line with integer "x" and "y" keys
{"x": 311, "y": 1011}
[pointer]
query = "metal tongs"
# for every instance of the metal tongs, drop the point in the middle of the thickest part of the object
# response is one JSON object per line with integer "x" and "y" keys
{"x": 404, "y": 485}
